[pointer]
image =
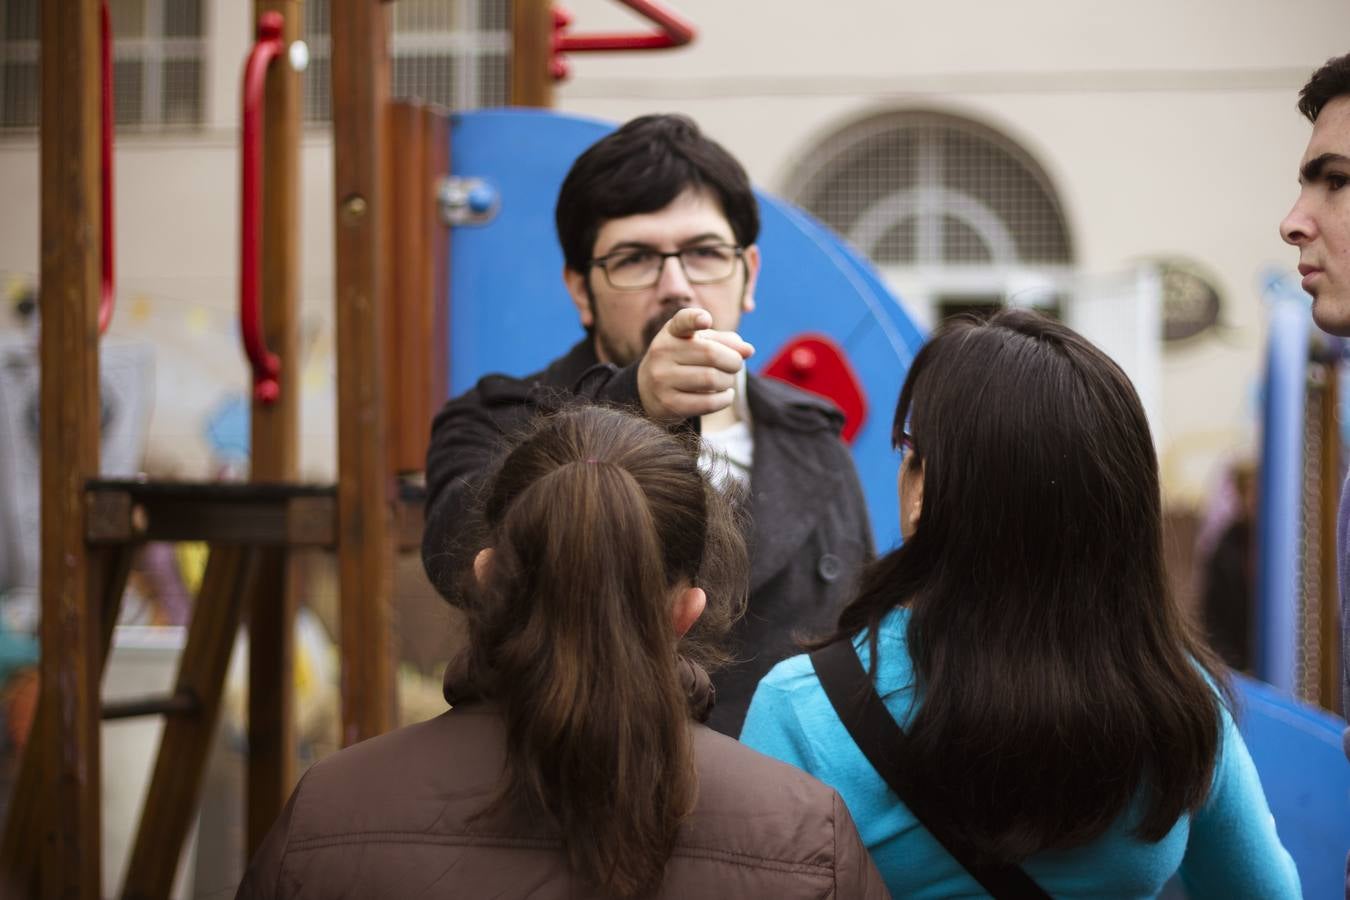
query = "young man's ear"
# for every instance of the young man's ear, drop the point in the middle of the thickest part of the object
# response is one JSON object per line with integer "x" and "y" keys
{"x": 689, "y": 604}
{"x": 752, "y": 261}
{"x": 580, "y": 293}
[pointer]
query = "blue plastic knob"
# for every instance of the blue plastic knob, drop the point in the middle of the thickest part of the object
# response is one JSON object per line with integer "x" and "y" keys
{"x": 481, "y": 199}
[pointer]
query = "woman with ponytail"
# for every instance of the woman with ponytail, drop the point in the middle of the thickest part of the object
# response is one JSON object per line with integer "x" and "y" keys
{"x": 1043, "y": 720}
{"x": 572, "y": 763}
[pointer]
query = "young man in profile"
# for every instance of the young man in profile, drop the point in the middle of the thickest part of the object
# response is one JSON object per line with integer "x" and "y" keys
{"x": 658, "y": 226}
{"x": 1319, "y": 226}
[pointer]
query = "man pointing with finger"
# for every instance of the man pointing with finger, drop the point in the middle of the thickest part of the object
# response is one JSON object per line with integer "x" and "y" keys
{"x": 658, "y": 227}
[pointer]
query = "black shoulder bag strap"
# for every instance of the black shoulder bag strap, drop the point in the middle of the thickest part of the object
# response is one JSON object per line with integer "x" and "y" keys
{"x": 880, "y": 739}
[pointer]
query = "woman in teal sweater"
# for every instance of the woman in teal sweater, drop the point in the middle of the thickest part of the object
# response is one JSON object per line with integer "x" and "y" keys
{"x": 1058, "y": 710}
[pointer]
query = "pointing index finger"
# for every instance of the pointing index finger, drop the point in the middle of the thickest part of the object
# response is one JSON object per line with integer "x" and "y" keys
{"x": 687, "y": 322}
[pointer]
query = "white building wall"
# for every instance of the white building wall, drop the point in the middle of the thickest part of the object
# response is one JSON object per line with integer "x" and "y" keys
{"x": 1168, "y": 128}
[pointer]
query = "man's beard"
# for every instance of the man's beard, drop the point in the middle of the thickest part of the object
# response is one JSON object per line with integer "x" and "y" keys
{"x": 622, "y": 356}
{"x": 656, "y": 323}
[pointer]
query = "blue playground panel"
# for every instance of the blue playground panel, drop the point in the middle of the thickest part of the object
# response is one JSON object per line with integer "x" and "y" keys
{"x": 1297, "y": 751}
{"x": 1280, "y": 492}
{"x": 510, "y": 312}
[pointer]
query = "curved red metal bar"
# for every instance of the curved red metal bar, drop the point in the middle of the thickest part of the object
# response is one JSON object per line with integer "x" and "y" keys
{"x": 266, "y": 365}
{"x": 673, "y": 31}
{"x": 107, "y": 293}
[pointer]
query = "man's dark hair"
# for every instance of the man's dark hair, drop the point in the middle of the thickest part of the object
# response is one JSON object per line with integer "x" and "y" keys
{"x": 641, "y": 168}
{"x": 1326, "y": 84}
{"x": 1062, "y": 685}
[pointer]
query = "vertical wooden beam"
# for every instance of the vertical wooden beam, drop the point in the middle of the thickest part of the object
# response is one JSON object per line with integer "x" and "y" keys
{"x": 70, "y": 268}
{"x": 393, "y": 185}
{"x": 271, "y": 690}
{"x": 275, "y": 433}
{"x": 407, "y": 335}
{"x": 436, "y": 132}
{"x": 21, "y": 847}
{"x": 360, "y": 65}
{"x": 532, "y": 53}
{"x": 275, "y": 426}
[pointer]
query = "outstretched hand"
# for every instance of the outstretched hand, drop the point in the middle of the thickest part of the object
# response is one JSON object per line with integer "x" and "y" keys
{"x": 690, "y": 369}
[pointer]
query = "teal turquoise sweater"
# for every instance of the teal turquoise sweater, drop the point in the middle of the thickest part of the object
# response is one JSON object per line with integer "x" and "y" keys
{"x": 1228, "y": 849}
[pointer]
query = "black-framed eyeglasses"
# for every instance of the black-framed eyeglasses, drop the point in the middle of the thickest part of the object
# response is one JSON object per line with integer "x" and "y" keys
{"x": 638, "y": 268}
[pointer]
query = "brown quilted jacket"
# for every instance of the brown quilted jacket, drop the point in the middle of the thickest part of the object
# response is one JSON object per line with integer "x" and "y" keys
{"x": 390, "y": 817}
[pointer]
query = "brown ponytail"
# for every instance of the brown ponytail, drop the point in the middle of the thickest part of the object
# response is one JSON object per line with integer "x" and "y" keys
{"x": 594, "y": 521}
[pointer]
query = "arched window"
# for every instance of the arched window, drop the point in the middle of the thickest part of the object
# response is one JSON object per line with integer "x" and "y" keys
{"x": 954, "y": 213}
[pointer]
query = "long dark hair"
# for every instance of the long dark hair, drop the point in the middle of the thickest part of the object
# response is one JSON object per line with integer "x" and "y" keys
{"x": 1058, "y": 685}
{"x": 594, "y": 520}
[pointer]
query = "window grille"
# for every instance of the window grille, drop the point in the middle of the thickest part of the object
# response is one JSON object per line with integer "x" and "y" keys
{"x": 19, "y": 75}
{"x": 923, "y": 188}
{"x": 957, "y": 216}
{"x": 158, "y": 55}
{"x": 449, "y": 52}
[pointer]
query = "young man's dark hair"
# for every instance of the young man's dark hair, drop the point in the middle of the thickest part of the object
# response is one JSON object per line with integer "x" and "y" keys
{"x": 640, "y": 169}
{"x": 1326, "y": 84}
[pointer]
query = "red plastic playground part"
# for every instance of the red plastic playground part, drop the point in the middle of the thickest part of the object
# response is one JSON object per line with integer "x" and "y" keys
{"x": 819, "y": 366}
{"x": 266, "y": 365}
{"x": 106, "y": 295}
{"x": 672, "y": 31}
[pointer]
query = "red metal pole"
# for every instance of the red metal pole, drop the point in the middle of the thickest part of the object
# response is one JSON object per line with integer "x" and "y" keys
{"x": 106, "y": 297}
{"x": 265, "y": 364}
{"x": 673, "y": 31}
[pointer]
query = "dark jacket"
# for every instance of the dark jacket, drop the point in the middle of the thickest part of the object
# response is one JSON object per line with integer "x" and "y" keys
{"x": 809, "y": 529}
{"x": 394, "y": 817}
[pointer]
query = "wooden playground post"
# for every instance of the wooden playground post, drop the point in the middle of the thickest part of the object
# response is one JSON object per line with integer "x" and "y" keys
{"x": 436, "y": 263}
{"x": 243, "y": 579}
{"x": 275, "y": 431}
{"x": 407, "y": 343}
{"x": 366, "y": 494}
{"x": 532, "y": 53}
{"x": 70, "y": 275}
{"x": 51, "y": 845}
